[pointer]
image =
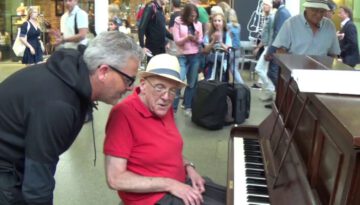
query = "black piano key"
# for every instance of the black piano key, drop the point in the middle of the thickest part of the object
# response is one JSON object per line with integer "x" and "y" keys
{"x": 253, "y": 159}
{"x": 255, "y": 173}
{"x": 250, "y": 140}
{"x": 257, "y": 190}
{"x": 252, "y": 149}
{"x": 252, "y": 153}
{"x": 253, "y": 166}
{"x": 256, "y": 181}
{"x": 258, "y": 199}
{"x": 251, "y": 143}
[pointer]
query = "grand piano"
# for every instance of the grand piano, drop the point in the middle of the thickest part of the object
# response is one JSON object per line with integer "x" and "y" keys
{"x": 307, "y": 151}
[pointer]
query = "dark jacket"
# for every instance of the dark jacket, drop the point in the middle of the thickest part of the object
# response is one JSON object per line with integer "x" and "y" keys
{"x": 153, "y": 26}
{"x": 349, "y": 44}
{"x": 42, "y": 109}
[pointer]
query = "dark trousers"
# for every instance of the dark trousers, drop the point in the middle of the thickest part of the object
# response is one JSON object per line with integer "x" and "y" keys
{"x": 273, "y": 72}
{"x": 214, "y": 195}
{"x": 10, "y": 185}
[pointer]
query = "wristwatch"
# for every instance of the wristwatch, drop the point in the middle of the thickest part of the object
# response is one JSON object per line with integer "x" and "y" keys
{"x": 189, "y": 164}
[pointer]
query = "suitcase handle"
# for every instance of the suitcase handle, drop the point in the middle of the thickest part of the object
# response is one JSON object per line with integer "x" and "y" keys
{"x": 230, "y": 51}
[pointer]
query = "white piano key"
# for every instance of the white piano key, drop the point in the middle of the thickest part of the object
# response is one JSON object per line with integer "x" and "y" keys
{"x": 240, "y": 191}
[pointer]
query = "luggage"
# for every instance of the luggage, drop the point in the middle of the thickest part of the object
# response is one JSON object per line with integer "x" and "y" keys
{"x": 211, "y": 99}
{"x": 209, "y": 104}
{"x": 240, "y": 97}
{"x": 240, "y": 101}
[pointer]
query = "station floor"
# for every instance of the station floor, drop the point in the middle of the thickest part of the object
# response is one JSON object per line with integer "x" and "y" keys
{"x": 79, "y": 182}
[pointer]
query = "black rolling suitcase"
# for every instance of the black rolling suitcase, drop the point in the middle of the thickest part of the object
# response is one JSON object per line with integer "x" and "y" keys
{"x": 209, "y": 105}
{"x": 240, "y": 96}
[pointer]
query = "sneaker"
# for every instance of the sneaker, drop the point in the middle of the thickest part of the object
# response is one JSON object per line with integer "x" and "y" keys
{"x": 188, "y": 112}
{"x": 256, "y": 86}
{"x": 268, "y": 106}
{"x": 266, "y": 97}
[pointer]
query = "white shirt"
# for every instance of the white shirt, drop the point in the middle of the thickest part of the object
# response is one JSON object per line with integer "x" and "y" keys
{"x": 344, "y": 22}
{"x": 67, "y": 25}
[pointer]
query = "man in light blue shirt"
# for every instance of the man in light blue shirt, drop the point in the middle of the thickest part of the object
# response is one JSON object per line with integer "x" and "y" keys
{"x": 309, "y": 33}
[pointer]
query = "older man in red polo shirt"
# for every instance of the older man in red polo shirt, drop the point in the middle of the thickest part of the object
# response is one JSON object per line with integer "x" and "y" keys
{"x": 143, "y": 146}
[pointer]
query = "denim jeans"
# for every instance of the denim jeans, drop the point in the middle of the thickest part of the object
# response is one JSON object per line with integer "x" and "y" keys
{"x": 273, "y": 72}
{"x": 189, "y": 67}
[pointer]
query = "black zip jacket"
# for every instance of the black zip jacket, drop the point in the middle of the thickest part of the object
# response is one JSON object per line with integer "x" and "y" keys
{"x": 153, "y": 26}
{"x": 42, "y": 109}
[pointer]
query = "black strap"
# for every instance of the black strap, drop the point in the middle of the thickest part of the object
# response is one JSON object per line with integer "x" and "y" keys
{"x": 75, "y": 25}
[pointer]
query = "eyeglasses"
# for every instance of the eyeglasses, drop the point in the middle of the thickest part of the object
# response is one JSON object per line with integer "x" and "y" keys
{"x": 161, "y": 89}
{"x": 129, "y": 81}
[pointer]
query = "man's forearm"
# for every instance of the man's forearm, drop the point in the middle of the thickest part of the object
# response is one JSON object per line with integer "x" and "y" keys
{"x": 131, "y": 182}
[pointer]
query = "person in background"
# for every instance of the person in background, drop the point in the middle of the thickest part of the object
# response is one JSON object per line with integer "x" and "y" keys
{"x": 43, "y": 108}
{"x": 217, "y": 37}
{"x": 225, "y": 7}
{"x": 125, "y": 27}
{"x": 262, "y": 65}
{"x": 332, "y": 7}
{"x": 114, "y": 24}
{"x": 203, "y": 15}
{"x": 171, "y": 47}
{"x": 143, "y": 148}
{"x": 348, "y": 38}
{"x": 234, "y": 29}
{"x": 30, "y": 37}
{"x": 298, "y": 34}
{"x": 74, "y": 26}
{"x": 153, "y": 27}
{"x": 281, "y": 15}
{"x": 188, "y": 37}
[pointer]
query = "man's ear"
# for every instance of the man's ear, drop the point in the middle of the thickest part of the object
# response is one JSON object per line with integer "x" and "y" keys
{"x": 102, "y": 72}
{"x": 142, "y": 84}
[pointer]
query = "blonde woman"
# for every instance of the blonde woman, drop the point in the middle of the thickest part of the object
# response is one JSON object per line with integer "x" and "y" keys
{"x": 216, "y": 38}
{"x": 30, "y": 37}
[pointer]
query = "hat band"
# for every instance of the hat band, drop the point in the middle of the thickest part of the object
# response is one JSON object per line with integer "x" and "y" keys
{"x": 165, "y": 71}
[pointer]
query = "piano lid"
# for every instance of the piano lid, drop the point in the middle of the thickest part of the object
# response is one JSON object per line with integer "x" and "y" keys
{"x": 292, "y": 61}
{"x": 346, "y": 110}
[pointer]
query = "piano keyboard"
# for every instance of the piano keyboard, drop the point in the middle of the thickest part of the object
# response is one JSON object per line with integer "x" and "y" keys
{"x": 249, "y": 176}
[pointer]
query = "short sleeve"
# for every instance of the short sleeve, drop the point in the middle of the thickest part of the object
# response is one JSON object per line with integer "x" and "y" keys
{"x": 82, "y": 19}
{"x": 228, "y": 41}
{"x": 283, "y": 38}
{"x": 118, "y": 134}
{"x": 23, "y": 29}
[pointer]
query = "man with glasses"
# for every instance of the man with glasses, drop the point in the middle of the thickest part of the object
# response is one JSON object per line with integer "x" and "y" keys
{"x": 309, "y": 33}
{"x": 143, "y": 147}
{"x": 42, "y": 109}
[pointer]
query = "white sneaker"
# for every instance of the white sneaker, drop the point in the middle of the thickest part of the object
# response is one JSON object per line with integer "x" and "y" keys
{"x": 188, "y": 112}
{"x": 266, "y": 97}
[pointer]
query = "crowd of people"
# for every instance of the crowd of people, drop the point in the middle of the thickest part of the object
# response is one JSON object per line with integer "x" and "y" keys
{"x": 143, "y": 148}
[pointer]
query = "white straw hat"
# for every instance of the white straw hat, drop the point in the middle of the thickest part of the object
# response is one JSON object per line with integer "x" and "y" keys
{"x": 319, "y": 4}
{"x": 164, "y": 65}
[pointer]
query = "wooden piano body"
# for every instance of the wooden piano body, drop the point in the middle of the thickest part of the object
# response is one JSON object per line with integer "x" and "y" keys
{"x": 323, "y": 131}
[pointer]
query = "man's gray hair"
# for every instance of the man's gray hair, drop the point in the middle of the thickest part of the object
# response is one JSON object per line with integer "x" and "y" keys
{"x": 112, "y": 48}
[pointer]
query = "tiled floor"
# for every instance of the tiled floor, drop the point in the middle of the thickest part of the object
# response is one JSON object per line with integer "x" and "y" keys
{"x": 79, "y": 182}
